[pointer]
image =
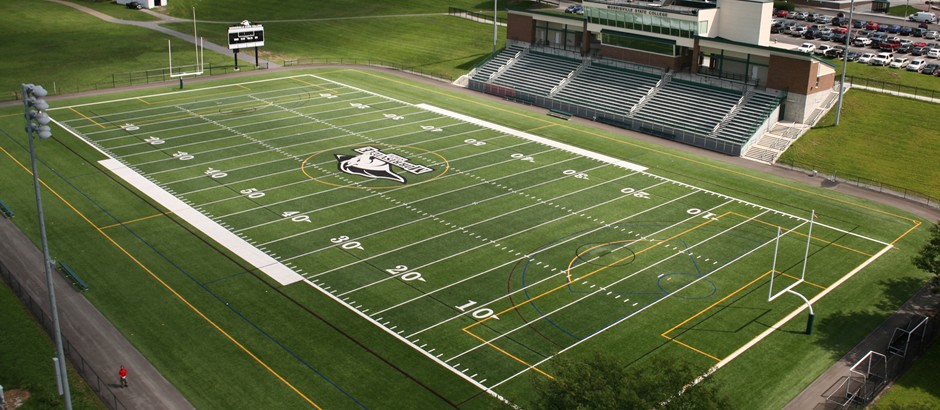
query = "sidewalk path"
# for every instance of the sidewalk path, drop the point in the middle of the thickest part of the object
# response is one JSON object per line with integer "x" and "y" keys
{"x": 103, "y": 348}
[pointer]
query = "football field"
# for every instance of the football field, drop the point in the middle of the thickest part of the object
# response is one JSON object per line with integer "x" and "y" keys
{"x": 488, "y": 250}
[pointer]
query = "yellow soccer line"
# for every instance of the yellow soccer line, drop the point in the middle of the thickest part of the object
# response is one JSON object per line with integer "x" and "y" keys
{"x": 905, "y": 233}
{"x": 713, "y": 305}
{"x": 142, "y": 100}
{"x": 804, "y": 280}
{"x": 508, "y": 354}
{"x": 167, "y": 286}
{"x": 135, "y": 220}
{"x": 695, "y": 350}
{"x": 817, "y": 238}
{"x": 86, "y": 117}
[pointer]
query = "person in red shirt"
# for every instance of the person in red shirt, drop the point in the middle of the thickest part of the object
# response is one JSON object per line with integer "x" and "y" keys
{"x": 123, "y": 374}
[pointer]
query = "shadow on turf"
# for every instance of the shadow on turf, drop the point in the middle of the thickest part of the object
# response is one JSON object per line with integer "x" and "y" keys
{"x": 838, "y": 332}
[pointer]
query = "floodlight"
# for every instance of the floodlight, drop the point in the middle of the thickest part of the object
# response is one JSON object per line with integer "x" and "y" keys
{"x": 43, "y": 131}
{"x": 42, "y": 118}
{"x": 39, "y": 104}
{"x": 38, "y": 91}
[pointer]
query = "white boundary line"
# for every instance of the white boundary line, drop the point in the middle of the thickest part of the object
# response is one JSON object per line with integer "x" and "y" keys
{"x": 796, "y": 311}
{"x": 535, "y": 138}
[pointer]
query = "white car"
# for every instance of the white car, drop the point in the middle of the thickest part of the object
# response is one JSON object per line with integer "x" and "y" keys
{"x": 881, "y": 59}
{"x": 899, "y": 62}
{"x": 916, "y": 65}
{"x": 823, "y": 48}
{"x": 866, "y": 58}
{"x": 798, "y": 31}
{"x": 931, "y": 34}
{"x": 934, "y": 53}
{"x": 861, "y": 42}
{"x": 806, "y": 48}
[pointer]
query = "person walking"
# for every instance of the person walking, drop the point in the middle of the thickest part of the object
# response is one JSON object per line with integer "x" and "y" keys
{"x": 123, "y": 374}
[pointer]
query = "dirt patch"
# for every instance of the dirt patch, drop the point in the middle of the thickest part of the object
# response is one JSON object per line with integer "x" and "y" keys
{"x": 15, "y": 398}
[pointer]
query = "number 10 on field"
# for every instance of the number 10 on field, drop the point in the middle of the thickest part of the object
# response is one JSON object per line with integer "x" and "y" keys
{"x": 478, "y": 313}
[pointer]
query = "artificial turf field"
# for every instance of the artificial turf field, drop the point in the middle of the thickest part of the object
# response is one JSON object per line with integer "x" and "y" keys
{"x": 456, "y": 245}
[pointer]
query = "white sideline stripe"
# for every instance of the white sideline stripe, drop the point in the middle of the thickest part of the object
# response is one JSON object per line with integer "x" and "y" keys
{"x": 255, "y": 257}
{"x": 795, "y": 312}
{"x": 535, "y": 138}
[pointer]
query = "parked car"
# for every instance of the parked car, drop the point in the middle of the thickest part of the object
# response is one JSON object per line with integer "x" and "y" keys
{"x": 812, "y": 34}
{"x": 798, "y": 31}
{"x": 894, "y": 29}
{"x": 824, "y": 19}
{"x": 853, "y": 56}
{"x": 923, "y": 17}
{"x": 930, "y": 69}
{"x": 866, "y": 58}
{"x": 904, "y": 49}
{"x": 135, "y": 5}
{"x": 919, "y": 32}
{"x": 801, "y": 15}
{"x": 906, "y": 31}
{"x": 806, "y": 48}
{"x": 916, "y": 65}
{"x": 889, "y": 45}
{"x": 858, "y": 24}
{"x": 899, "y": 62}
{"x": 861, "y": 41}
{"x": 930, "y": 34}
{"x": 783, "y": 13}
{"x": 919, "y": 50}
{"x": 574, "y": 8}
{"x": 835, "y": 52}
{"x": 838, "y": 37}
{"x": 822, "y": 49}
{"x": 881, "y": 59}
{"x": 871, "y": 25}
{"x": 934, "y": 53}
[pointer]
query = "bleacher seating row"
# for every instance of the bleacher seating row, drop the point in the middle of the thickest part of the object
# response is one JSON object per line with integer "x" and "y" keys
{"x": 537, "y": 73}
{"x": 681, "y": 105}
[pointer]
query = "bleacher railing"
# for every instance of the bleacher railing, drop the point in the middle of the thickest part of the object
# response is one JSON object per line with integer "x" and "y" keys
{"x": 82, "y": 367}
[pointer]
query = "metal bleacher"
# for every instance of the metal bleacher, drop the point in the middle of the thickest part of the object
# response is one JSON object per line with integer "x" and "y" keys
{"x": 689, "y": 107}
{"x": 484, "y": 71}
{"x": 537, "y": 73}
{"x": 752, "y": 114}
{"x": 606, "y": 88}
{"x": 675, "y": 107}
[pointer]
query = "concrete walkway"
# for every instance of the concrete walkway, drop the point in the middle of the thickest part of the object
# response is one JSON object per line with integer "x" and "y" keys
{"x": 87, "y": 333}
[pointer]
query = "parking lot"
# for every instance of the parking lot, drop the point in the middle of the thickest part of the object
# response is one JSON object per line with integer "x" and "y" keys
{"x": 904, "y": 44}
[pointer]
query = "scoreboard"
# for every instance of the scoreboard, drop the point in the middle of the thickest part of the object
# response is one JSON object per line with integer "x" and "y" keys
{"x": 245, "y": 35}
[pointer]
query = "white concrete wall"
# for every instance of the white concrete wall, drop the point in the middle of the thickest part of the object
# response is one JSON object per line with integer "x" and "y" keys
{"x": 747, "y": 21}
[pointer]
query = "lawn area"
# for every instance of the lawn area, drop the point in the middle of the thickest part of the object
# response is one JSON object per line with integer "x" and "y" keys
{"x": 238, "y": 10}
{"x": 56, "y": 36}
{"x": 115, "y": 10}
{"x": 918, "y": 388}
{"x": 880, "y": 137}
{"x": 25, "y": 365}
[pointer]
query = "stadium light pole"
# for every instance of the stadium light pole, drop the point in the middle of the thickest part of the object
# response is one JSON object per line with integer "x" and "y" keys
{"x": 37, "y": 121}
{"x": 495, "y": 27}
{"x": 845, "y": 61}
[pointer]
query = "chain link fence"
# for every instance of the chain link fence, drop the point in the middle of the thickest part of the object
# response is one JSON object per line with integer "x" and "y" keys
{"x": 81, "y": 366}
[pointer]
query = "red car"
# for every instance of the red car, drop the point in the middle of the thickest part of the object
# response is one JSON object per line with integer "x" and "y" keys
{"x": 782, "y": 13}
{"x": 871, "y": 25}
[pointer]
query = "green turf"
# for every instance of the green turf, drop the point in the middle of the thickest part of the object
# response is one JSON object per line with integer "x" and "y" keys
{"x": 882, "y": 138}
{"x": 118, "y": 11}
{"x": 299, "y": 9}
{"x": 289, "y": 329}
{"x": 890, "y": 79}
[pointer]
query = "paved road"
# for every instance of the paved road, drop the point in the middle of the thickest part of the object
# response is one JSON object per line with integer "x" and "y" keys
{"x": 89, "y": 333}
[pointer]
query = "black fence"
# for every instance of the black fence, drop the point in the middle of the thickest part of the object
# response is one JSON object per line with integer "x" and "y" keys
{"x": 473, "y": 15}
{"x": 81, "y": 366}
{"x": 890, "y": 88}
{"x": 374, "y": 63}
{"x": 862, "y": 182}
{"x": 116, "y": 80}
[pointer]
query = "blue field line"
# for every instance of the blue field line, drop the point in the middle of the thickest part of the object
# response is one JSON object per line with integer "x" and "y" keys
{"x": 202, "y": 285}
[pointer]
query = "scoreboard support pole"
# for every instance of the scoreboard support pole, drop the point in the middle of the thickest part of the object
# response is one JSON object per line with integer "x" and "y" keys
{"x": 235, "y": 53}
{"x": 256, "y": 57}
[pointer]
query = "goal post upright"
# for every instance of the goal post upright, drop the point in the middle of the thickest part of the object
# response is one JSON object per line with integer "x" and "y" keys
{"x": 789, "y": 289}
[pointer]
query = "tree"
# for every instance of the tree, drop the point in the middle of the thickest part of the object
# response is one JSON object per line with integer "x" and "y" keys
{"x": 603, "y": 382}
{"x": 928, "y": 259}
